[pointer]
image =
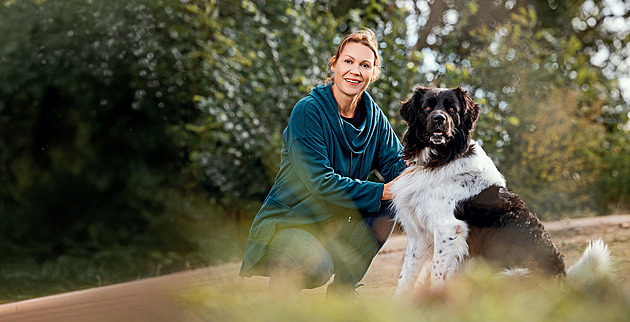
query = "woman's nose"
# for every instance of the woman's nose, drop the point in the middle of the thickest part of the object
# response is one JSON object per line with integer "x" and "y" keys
{"x": 355, "y": 69}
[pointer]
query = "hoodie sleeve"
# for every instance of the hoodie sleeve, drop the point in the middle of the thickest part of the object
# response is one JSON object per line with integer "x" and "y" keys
{"x": 390, "y": 162}
{"x": 309, "y": 156}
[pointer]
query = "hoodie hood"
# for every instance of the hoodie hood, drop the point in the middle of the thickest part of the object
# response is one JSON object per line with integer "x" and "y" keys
{"x": 355, "y": 139}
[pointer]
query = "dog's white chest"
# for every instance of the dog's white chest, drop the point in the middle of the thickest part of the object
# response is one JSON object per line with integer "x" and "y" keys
{"x": 431, "y": 195}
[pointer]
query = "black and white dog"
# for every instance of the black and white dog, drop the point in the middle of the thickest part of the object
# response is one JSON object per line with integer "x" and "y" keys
{"x": 453, "y": 203}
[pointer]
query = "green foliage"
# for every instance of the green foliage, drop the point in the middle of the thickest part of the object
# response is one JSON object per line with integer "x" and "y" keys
{"x": 558, "y": 154}
{"x": 144, "y": 134}
{"x": 256, "y": 66}
{"x": 94, "y": 98}
{"x": 614, "y": 183}
{"x": 478, "y": 295}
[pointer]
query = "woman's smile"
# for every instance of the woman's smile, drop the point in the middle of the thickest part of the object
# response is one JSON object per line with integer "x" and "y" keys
{"x": 353, "y": 81}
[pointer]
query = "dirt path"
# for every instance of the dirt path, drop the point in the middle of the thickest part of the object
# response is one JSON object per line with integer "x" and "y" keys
{"x": 156, "y": 299}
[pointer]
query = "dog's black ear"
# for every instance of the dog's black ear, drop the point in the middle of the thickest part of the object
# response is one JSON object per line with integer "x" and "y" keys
{"x": 472, "y": 110}
{"x": 412, "y": 139}
{"x": 407, "y": 109}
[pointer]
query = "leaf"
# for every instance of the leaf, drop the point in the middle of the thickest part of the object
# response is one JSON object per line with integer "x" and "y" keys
{"x": 513, "y": 120}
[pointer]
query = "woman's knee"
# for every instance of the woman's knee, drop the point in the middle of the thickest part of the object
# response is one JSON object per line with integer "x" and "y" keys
{"x": 319, "y": 272}
{"x": 299, "y": 255}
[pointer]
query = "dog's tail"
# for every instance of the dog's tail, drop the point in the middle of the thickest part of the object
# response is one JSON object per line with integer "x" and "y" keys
{"x": 594, "y": 265}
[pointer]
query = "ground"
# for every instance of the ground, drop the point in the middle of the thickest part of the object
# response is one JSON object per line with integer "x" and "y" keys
{"x": 570, "y": 236}
{"x": 164, "y": 298}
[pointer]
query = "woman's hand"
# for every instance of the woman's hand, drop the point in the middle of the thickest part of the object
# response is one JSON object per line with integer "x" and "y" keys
{"x": 387, "y": 194}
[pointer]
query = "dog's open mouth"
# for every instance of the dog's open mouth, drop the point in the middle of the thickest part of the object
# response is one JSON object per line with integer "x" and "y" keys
{"x": 438, "y": 137}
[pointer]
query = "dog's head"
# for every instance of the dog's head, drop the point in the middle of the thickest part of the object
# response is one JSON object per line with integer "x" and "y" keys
{"x": 439, "y": 118}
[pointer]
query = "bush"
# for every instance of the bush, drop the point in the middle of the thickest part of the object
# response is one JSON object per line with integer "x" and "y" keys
{"x": 93, "y": 99}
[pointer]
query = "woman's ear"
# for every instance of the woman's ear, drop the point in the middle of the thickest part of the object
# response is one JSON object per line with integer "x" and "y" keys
{"x": 376, "y": 73}
{"x": 333, "y": 62}
{"x": 375, "y": 76}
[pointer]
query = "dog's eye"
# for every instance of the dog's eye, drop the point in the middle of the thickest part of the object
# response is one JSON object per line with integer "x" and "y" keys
{"x": 451, "y": 109}
{"x": 428, "y": 108}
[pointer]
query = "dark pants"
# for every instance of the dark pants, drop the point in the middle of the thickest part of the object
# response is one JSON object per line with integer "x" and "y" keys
{"x": 295, "y": 255}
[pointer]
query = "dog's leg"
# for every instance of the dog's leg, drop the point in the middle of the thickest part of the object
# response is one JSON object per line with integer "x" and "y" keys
{"x": 424, "y": 278}
{"x": 418, "y": 253}
{"x": 450, "y": 248}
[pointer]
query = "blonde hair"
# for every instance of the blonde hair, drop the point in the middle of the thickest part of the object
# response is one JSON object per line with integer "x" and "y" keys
{"x": 362, "y": 36}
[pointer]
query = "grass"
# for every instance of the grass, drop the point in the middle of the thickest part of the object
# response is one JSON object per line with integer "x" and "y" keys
{"x": 25, "y": 277}
{"x": 477, "y": 295}
{"x": 195, "y": 236}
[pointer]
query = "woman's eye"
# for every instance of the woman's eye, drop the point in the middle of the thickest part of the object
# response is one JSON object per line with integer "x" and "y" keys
{"x": 366, "y": 66}
{"x": 348, "y": 61}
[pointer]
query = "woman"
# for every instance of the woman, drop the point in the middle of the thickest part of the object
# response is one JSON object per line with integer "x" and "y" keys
{"x": 322, "y": 216}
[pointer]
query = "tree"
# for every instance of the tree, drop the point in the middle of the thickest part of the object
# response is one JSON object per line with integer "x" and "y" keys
{"x": 93, "y": 101}
{"x": 507, "y": 52}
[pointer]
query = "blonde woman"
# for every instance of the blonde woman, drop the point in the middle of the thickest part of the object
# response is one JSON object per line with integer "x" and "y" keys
{"x": 322, "y": 216}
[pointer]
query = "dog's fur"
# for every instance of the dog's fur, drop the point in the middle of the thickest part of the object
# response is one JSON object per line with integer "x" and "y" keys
{"x": 453, "y": 202}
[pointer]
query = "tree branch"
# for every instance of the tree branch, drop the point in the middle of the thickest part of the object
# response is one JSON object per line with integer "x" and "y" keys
{"x": 435, "y": 17}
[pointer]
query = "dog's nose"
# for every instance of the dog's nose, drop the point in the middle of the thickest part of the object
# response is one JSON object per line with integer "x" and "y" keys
{"x": 438, "y": 118}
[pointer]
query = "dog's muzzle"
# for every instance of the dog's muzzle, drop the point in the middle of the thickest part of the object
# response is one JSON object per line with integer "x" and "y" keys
{"x": 439, "y": 129}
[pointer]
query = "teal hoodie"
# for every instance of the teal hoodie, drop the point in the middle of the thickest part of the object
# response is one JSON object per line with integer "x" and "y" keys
{"x": 325, "y": 163}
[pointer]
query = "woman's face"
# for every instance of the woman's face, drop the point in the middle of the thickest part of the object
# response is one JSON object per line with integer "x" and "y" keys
{"x": 353, "y": 69}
